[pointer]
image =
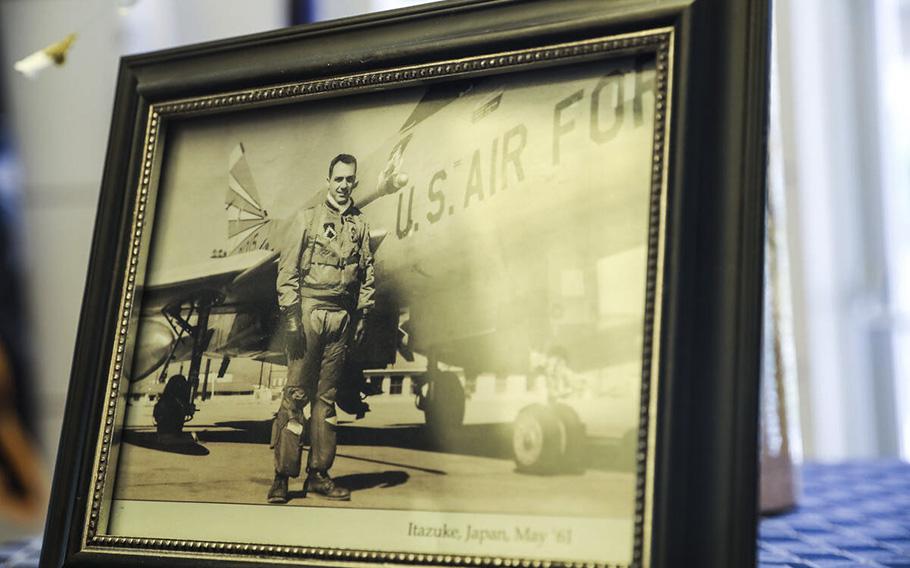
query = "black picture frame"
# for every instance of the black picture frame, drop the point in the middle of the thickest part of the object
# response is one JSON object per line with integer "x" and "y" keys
{"x": 704, "y": 446}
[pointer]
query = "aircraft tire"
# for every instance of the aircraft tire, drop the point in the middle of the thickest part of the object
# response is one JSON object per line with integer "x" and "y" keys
{"x": 573, "y": 449}
{"x": 444, "y": 405}
{"x": 539, "y": 440}
{"x": 170, "y": 411}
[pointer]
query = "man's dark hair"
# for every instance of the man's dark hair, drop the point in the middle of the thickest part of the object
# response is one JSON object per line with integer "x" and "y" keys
{"x": 344, "y": 158}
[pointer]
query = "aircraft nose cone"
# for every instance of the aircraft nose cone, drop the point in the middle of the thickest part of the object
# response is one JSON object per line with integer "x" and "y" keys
{"x": 400, "y": 181}
{"x": 155, "y": 342}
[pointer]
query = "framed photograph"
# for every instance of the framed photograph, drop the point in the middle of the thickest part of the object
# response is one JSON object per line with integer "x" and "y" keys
{"x": 475, "y": 283}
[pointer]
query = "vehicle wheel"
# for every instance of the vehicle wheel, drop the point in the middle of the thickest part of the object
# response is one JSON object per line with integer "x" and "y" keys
{"x": 444, "y": 404}
{"x": 573, "y": 458}
{"x": 538, "y": 439}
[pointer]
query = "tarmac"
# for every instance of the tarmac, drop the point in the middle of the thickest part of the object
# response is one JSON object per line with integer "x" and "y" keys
{"x": 387, "y": 460}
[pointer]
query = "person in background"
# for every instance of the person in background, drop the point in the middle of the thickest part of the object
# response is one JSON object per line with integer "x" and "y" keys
{"x": 22, "y": 478}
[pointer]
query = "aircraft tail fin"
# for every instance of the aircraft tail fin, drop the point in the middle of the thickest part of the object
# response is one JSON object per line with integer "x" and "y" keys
{"x": 249, "y": 225}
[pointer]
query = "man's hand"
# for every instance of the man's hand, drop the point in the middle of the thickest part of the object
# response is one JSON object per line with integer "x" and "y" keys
{"x": 360, "y": 330}
{"x": 295, "y": 341}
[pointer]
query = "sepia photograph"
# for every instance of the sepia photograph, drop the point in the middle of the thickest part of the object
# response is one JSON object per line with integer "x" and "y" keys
{"x": 421, "y": 310}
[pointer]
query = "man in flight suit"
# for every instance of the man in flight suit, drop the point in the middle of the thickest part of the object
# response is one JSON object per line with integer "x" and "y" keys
{"x": 325, "y": 289}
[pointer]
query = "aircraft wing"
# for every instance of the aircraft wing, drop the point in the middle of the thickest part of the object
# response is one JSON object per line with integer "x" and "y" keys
{"x": 234, "y": 276}
{"x": 245, "y": 285}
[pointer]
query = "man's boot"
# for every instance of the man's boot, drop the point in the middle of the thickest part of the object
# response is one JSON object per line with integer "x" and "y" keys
{"x": 278, "y": 493}
{"x": 319, "y": 483}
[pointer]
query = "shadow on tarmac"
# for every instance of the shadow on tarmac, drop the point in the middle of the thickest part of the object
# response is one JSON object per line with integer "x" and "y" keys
{"x": 481, "y": 440}
{"x": 361, "y": 481}
{"x": 183, "y": 444}
{"x": 477, "y": 440}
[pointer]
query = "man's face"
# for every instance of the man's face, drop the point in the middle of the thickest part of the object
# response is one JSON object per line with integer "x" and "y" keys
{"x": 342, "y": 182}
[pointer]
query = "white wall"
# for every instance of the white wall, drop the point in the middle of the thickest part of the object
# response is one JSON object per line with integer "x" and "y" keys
{"x": 831, "y": 101}
{"x": 60, "y": 124}
{"x": 333, "y": 9}
{"x": 891, "y": 50}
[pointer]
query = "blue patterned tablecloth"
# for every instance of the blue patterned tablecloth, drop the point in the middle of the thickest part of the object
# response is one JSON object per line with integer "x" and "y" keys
{"x": 851, "y": 514}
{"x": 20, "y": 553}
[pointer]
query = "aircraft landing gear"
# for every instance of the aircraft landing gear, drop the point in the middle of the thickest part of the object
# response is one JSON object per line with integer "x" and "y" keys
{"x": 177, "y": 403}
{"x": 547, "y": 438}
{"x": 172, "y": 411}
{"x": 442, "y": 400}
